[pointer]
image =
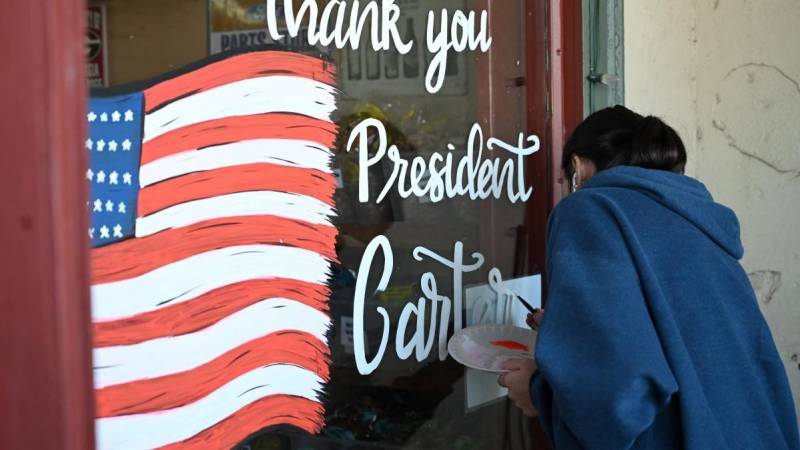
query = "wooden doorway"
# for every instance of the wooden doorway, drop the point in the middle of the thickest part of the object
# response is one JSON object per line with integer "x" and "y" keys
{"x": 45, "y": 380}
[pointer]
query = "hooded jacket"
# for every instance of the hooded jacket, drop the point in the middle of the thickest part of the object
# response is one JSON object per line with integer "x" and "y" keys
{"x": 652, "y": 336}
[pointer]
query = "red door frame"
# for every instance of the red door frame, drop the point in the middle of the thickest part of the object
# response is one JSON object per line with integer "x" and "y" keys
{"x": 554, "y": 66}
{"x": 566, "y": 72}
{"x": 45, "y": 379}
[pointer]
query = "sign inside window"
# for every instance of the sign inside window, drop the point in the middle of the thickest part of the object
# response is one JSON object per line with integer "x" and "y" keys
{"x": 96, "y": 53}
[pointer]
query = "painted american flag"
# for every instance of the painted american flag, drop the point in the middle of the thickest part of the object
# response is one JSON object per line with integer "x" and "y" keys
{"x": 211, "y": 204}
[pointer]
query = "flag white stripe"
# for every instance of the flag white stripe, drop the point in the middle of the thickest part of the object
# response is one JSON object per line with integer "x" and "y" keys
{"x": 174, "y": 354}
{"x": 193, "y": 276}
{"x": 186, "y": 279}
{"x": 272, "y": 94}
{"x": 283, "y": 152}
{"x": 141, "y": 431}
{"x": 283, "y": 204}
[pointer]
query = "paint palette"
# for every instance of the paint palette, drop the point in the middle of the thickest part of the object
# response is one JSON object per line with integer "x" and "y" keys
{"x": 487, "y": 347}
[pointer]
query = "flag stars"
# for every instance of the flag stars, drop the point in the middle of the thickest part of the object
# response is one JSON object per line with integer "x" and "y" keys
{"x": 89, "y": 175}
{"x": 91, "y": 117}
{"x": 126, "y": 178}
{"x": 115, "y": 116}
{"x": 101, "y": 177}
{"x": 129, "y": 116}
{"x": 103, "y": 117}
{"x": 89, "y": 144}
{"x": 118, "y": 231}
{"x": 101, "y": 144}
{"x": 112, "y": 146}
{"x": 112, "y": 178}
{"x": 91, "y": 233}
{"x": 109, "y": 206}
{"x": 98, "y": 205}
{"x": 104, "y": 232}
{"x": 121, "y": 208}
{"x": 126, "y": 145}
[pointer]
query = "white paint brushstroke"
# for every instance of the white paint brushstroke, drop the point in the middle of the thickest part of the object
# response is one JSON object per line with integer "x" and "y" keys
{"x": 282, "y": 152}
{"x": 188, "y": 278}
{"x": 272, "y": 94}
{"x": 288, "y": 205}
{"x": 174, "y": 354}
{"x": 153, "y": 430}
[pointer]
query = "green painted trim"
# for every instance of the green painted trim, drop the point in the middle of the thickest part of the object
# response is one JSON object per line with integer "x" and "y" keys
{"x": 604, "y": 54}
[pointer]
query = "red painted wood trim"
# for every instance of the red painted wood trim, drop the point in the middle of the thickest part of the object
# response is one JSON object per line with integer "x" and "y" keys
{"x": 554, "y": 34}
{"x": 537, "y": 83}
{"x": 553, "y": 44}
{"x": 572, "y": 64}
{"x": 45, "y": 378}
{"x": 539, "y": 119}
{"x": 566, "y": 55}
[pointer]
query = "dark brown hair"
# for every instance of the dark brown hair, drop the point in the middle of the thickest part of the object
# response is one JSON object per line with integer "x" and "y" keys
{"x": 620, "y": 137}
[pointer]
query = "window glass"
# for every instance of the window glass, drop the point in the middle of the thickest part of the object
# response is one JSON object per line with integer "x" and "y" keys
{"x": 414, "y": 396}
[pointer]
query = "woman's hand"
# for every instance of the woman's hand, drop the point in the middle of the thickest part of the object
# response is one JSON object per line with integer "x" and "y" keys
{"x": 535, "y": 319}
{"x": 518, "y": 382}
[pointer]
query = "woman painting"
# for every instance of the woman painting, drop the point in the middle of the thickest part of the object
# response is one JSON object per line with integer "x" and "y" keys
{"x": 652, "y": 337}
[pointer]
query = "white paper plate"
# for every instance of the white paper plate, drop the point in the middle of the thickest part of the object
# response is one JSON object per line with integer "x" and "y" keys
{"x": 487, "y": 347}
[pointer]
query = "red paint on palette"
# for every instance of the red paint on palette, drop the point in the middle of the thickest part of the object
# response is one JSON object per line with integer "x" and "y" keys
{"x": 511, "y": 345}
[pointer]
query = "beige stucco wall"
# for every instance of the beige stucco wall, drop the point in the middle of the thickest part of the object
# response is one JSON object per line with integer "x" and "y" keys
{"x": 726, "y": 74}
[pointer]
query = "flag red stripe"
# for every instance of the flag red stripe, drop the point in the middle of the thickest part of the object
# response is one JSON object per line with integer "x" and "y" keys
{"x": 206, "y": 310}
{"x": 237, "y": 68}
{"x": 134, "y": 257}
{"x": 171, "y": 391}
{"x": 240, "y": 128}
{"x": 234, "y": 179}
{"x": 267, "y": 412}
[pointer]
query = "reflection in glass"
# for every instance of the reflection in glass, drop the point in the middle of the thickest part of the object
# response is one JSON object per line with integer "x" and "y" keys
{"x": 373, "y": 58}
{"x": 452, "y": 64}
{"x": 392, "y": 63}
{"x": 411, "y": 59}
{"x": 353, "y": 64}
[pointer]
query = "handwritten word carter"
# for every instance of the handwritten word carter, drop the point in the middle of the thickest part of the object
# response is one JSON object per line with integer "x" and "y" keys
{"x": 418, "y": 344}
{"x": 457, "y": 33}
{"x": 439, "y": 176}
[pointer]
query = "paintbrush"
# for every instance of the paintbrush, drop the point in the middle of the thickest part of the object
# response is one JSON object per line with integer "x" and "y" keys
{"x": 525, "y": 303}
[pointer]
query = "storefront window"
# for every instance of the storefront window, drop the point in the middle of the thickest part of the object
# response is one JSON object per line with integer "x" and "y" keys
{"x": 442, "y": 242}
